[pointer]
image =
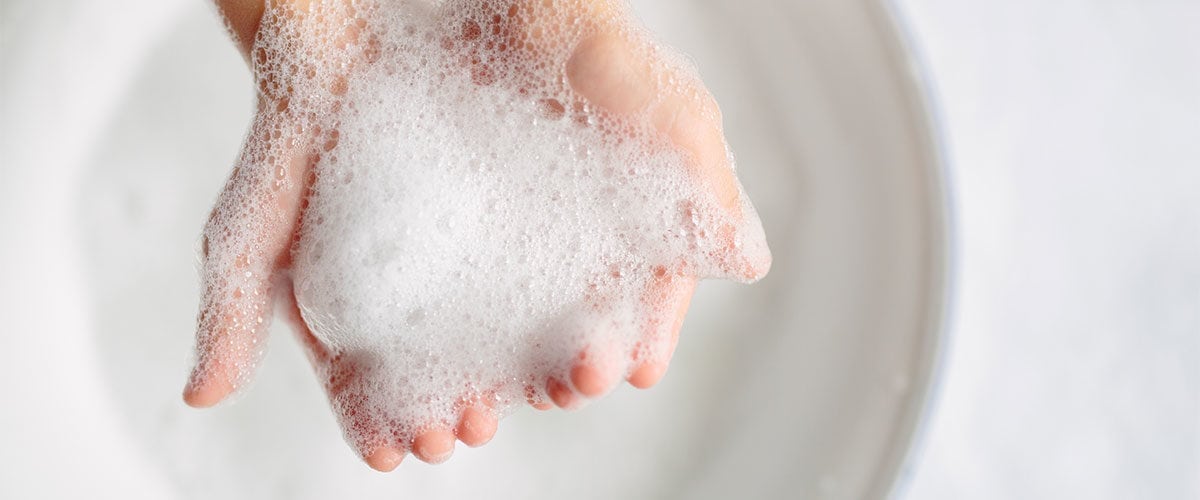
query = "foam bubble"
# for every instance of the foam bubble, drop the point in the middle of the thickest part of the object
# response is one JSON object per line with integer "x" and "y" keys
{"x": 473, "y": 223}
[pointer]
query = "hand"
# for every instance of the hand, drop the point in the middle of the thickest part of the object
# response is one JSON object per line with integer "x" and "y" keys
{"x": 246, "y": 254}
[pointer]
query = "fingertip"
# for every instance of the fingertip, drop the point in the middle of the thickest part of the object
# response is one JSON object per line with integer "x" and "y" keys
{"x": 206, "y": 390}
{"x": 588, "y": 380}
{"x": 535, "y": 400}
{"x": 562, "y": 395}
{"x": 384, "y": 459}
{"x": 750, "y": 258}
{"x": 434, "y": 446}
{"x": 476, "y": 427}
{"x": 757, "y": 269}
{"x": 647, "y": 375}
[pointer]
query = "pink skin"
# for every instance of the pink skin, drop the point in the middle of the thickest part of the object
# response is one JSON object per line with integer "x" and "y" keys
{"x": 605, "y": 71}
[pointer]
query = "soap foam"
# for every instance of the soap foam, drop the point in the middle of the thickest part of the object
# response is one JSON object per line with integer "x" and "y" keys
{"x": 473, "y": 224}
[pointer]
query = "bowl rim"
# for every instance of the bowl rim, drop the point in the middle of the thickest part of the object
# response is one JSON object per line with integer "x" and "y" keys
{"x": 920, "y": 99}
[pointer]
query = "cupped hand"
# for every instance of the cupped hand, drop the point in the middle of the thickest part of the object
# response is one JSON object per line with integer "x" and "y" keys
{"x": 248, "y": 249}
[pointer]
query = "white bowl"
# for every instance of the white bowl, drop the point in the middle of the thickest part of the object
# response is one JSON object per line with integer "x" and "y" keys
{"x": 810, "y": 384}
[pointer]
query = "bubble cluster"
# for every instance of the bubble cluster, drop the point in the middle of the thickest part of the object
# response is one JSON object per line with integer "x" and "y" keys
{"x": 471, "y": 222}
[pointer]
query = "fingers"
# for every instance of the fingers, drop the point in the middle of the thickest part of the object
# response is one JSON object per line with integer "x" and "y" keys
{"x": 340, "y": 376}
{"x": 251, "y": 229}
{"x": 623, "y": 76}
{"x": 666, "y": 301}
{"x": 246, "y": 239}
{"x": 476, "y": 426}
{"x": 667, "y": 298}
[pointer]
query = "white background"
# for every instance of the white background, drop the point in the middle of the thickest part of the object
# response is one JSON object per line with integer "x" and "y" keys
{"x": 1073, "y": 128}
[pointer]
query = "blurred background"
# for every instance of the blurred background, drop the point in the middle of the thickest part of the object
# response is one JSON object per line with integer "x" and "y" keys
{"x": 1051, "y": 328}
{"x": 1073, "y": 131}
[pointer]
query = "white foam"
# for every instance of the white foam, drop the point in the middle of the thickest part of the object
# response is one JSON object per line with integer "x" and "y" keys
{"x": 474, "y": 223}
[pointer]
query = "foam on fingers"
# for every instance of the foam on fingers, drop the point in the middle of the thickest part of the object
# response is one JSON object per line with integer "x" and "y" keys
{"x": 247, "y": 235}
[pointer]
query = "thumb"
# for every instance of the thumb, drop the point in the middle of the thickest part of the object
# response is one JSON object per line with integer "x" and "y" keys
{"x": 622, "y": 75}
{"x": 248, "y": 236}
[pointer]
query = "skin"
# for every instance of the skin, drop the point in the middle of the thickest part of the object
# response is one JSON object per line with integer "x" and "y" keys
{"x": 605, "y": 71}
